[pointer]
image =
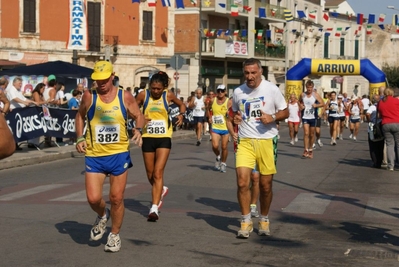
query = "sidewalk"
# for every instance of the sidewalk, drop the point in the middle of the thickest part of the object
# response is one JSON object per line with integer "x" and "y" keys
{"x": 30, "y": 156}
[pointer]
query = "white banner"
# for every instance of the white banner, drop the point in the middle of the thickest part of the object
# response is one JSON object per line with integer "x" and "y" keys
{"x": 78, "y": 37}
{"x": 237, "y": 48}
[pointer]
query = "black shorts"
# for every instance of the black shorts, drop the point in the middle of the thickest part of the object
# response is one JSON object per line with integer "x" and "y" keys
{"x": 199, "y": 120}
{"x": 318, "y": 122}
{"x": 151, "y": 144}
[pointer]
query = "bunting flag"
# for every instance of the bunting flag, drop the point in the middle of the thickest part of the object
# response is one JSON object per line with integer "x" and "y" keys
{"x": 268, "y": 34}
{"x": 371, "y": 19}
{"x": 349, "y": 15}
{"x": 236, "y": 32}
{"x": 206, "y": 31}
{"x": 260, "y": 35}
{"x": 219, "y": 32}
{"x": 179, "y": 4}
{"x": 262, "y": 12}
{"x": 334, "y": 14}
{"x": 397, "y": 29}
{"x": 382, "y": 27}
{"x": 381, "y": 18}
{"x": 207, "y": 3}
{"x": 227, "y": 32}
{"x": 301, "y": 14}
{"x": 234, "y": 10}
{"x": 273, "y": 11}
{"x": 288, "y": 15}
{"x": 359, "y": 18}
{"x": 312, "y": 14}
{"x": 136, "y": 1}
{"x": 293, "y": 30}
{"x": 244, "y": 33}
{"x": 338, "y": 32}
{"x": 222, "y": 5}
{"x": 369, "y": 29}
{"x": 166, "y": 3}
{"x": 247, "y": 8}
{"x": 395, "y": 19}
{"x": 347, "y": 28}
{"x": 326, "y": 17}
{"x": 194, "y": 2}
{"x": 152, "y": 3}
{"x": 212, "y": 32}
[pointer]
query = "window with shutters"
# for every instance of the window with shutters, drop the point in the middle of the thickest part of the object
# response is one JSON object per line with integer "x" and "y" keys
{"x": 29, "y": 16}
{"x": 356, "y": 49}
{"x": 326, "y": 44}
{"x": 94, "y": 25}
{"x": 147, "y": 25}
{"x": 342, "y": 46}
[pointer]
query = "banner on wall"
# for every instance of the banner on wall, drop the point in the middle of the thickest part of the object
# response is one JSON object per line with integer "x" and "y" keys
{"x": 237, "y": 48}
{"x": 78, "y": 37}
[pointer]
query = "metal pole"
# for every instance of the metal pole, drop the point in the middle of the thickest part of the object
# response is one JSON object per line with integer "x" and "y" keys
{"x": 199, "y": 45}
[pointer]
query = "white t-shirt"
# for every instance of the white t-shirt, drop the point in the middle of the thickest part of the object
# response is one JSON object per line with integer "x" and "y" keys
{"x": 266, "y": 97}
{"x": 366, "y": 103}
{"x": 309, "y": 112}
{"x": 13, "y": 93}
{"x": 199, "y": 107}
{"x": 59, "y": 95}
{"x": 294, "y": 112}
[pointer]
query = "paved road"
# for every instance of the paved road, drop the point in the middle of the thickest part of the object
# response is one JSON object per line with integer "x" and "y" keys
{"x": 333, "y": 210}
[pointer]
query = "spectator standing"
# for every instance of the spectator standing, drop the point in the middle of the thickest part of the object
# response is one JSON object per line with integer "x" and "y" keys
{"x": 388, "y": 109}
{"x": 4, "y": 102}
{"x": 107, "y": 152}
{"x": 73, "y": 103}
{"x": 376, "y": 147}
{"x": 62, "y": 102}
{"x": 366, "y": 105}
{"x": 257, "y": 105}
{"x": 37, "y": 96}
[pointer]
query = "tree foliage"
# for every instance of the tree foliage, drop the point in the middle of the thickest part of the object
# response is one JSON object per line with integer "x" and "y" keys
{"x": 392, "y": 75}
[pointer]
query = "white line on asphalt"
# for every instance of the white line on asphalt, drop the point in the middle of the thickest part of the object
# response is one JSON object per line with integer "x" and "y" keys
{"x": 81, "y": 195}
{"x": 31, "y": 191}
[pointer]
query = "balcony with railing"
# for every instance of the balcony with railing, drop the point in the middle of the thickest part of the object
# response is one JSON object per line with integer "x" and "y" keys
{"x": 269, "y": 50}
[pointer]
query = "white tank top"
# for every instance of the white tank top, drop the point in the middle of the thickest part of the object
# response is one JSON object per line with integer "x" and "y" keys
{"x": 294, "y": 112}
{"x": 309, "y": 112}
{"x": 199, "y": 107}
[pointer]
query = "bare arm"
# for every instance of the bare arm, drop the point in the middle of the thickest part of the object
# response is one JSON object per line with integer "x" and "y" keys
{"x": 7, "y": 142}
{"x": 6, "y": 103}
{"x": 134, "y": 112}
{"x": 79, "y": 121}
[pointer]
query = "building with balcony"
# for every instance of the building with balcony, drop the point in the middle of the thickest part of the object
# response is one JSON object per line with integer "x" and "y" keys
{"x": 133, "y": 36}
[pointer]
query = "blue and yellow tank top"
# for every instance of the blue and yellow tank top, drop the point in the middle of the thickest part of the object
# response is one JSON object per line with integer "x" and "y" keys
{"x": 219, "y": 114}
{"x": 157, "y": 110}
{"x": 106, "y": 132}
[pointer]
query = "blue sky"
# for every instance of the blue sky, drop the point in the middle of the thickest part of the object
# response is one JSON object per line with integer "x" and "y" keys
{"x": 376, "y": 7}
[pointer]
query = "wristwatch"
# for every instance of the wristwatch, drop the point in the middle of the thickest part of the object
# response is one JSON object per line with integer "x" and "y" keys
{"x": 274, "y": 117}
{"x": 140, "y": 130}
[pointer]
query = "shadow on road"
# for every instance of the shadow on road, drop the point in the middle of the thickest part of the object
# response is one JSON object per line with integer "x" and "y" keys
{"x": 220, "y": 204}
{"x": 218, "y": 222}
{"x": 80, "y": 233}
{"x": 137, "y": 206}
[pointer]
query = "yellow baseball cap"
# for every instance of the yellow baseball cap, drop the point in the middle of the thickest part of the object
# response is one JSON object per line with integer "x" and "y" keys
{"x": 102, "y": 70}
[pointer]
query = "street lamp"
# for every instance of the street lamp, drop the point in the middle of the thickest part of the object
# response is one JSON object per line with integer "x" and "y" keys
{"x": 199, "y": 44}
{"x": 392, "y": 7}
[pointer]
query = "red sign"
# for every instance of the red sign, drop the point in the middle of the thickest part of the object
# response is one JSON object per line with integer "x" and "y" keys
{"x": 176, "y": 76}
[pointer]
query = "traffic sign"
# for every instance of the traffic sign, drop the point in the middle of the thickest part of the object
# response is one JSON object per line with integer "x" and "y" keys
{"x": 176, "y": 76}
{"x": 176, "y": 62}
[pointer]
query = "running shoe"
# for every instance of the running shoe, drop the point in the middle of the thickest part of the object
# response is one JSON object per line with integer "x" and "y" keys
{"x": 334, "y": 142}
{"x": 263, "y": 228}
{"x": 310, "y": 154}
{"x": 341, "y": 137}
{"x": 314, "y": 146}
{"x": 305, "y": 154}
{"x": 319, "y": 143}
{"x": 99, "y": 226}
{"x": 198, "y": 143}
{"x": 217, "y": 164}
{"x": 350, "y": 136}
{"x": 246, "y": 229}
{"x": 254, "y": 211}
{"x": 292, "y": 142}
{"x": 222, "y": 167}
{"x": 296, "y": 139}
{"x": 165, "y": 191}
{"x": 354, "y": 138}
{"x": 113, "y": 243}
{"x": 153, "y": 215}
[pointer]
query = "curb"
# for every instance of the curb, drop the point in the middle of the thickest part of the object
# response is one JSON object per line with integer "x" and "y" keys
{"x": 52, "y": 154}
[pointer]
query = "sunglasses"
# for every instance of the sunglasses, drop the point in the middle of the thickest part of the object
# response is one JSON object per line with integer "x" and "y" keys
{"x": 220, "y": 90}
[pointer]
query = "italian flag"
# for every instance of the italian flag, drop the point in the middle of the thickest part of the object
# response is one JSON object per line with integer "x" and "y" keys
{"x": 369, "y": 29}
{"x": 381, "y": 18}
{"x": 273, "y": 11}
{"x": 338, "y": 32}
{"x": 260, "y": 34}
{"x": 234, "y": 10}
{"x": 236, "y": 32}
{"x": 152, "y": 3}
{"x": 312, "y": 14}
